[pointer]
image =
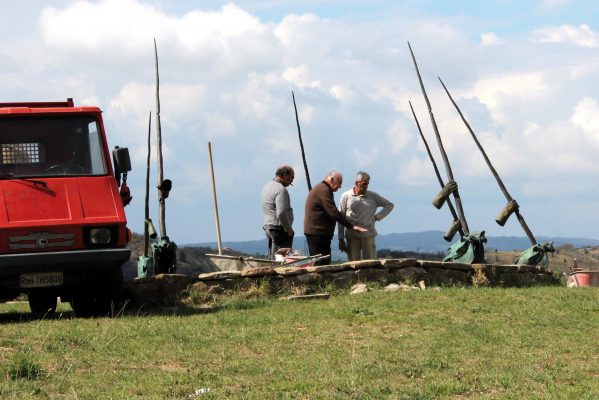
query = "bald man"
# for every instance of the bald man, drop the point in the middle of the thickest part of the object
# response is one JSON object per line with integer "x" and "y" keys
{"x": 321, "y": 215}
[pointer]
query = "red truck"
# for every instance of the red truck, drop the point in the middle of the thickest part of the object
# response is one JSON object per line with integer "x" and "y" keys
{"x": 63, "y": 230}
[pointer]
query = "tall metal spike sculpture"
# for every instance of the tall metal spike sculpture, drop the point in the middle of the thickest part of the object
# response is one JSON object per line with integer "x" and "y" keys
{"x": 535, "y": 255}
{"x": 470, "y": 248}
{"x": 145, "y": 263}
{"x": 455, "y": 225}
{"x": 164, "y": 251}
{"x": 299, "y": 133}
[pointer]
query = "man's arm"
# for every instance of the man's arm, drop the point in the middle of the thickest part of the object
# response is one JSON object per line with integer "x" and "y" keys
{"x": 342, "y": 210}
{"x": 386, "y": 205}
{"x": 328, "y": 204}
{"x": 340, "y": 227}
{"x": 329, "y": 207}
{"x": 283, "y": 207}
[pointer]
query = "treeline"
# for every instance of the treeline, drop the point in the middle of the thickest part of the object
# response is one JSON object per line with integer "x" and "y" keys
{"x": 387, "y": 253}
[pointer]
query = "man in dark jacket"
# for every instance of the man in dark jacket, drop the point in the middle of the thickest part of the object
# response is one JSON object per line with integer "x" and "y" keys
{"x": 321, "y": 214}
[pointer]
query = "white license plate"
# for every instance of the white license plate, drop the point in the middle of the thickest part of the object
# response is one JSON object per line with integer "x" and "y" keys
{"x": 41, "y": 280}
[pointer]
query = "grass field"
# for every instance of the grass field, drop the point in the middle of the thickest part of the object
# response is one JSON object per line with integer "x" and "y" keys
{"x": 458, "y": 343}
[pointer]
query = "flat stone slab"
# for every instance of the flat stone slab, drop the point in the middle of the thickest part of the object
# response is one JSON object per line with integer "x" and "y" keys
{"x": 444, "y": 265}
{"x": 258, "y": 271}
{"x": 398, "y": 262}
{"x": 327, "y": 268}
{"x": 217, "y": 275}
{"x": 363, "y": 264}
{"x": 287, "y": 271}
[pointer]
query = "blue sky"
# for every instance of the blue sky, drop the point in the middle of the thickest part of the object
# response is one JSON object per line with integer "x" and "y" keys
{"x": 523, "y": 72}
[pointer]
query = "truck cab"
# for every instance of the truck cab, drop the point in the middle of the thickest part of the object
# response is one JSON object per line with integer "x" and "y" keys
{"x": 63, "y": 230}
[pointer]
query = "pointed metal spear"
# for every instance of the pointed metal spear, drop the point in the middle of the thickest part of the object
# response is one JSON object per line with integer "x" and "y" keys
{"x": 456, "y": 194}
{"x": 164, "y": 252}
{"x": 299, "y": 132}
{"x": 145, "y": 263}
{"x": 512, "y": 206}
{"x": 161, "y": 197}
{"x": 456, "y": 222}
{"x": 149, "y": 231}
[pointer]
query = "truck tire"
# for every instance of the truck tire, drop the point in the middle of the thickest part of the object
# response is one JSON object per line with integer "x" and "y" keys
{"x": 101, "y": 296}
{"x": 42, "y": 301}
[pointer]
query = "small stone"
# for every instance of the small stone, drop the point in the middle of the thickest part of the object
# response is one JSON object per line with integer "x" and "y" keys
{"x": 393, "y": 287}
{"x": 359, "y": 288}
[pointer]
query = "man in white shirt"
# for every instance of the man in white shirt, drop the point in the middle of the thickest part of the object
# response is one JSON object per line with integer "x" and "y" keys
{"x": 359, "y": 205}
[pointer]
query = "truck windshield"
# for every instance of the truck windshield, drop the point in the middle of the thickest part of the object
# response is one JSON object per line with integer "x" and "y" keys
{"x": 51, "y": 146}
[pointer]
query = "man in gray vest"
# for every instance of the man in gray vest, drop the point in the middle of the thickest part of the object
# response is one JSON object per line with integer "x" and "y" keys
{"x": 359, "y": 205}
{"x": 278, "y": 214}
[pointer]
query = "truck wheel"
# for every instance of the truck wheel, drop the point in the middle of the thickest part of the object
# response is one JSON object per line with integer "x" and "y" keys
{"x": 110, "y": 298}
{"x": 101, "y": 296}
{"x": 42, "y": 301}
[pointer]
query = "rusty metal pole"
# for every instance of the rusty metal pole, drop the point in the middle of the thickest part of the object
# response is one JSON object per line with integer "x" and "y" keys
{"x": 161, "y": 200}
{"x": 299, "y": 132}
{"x": 430, "y": 155}
{"x": 147, "y": 201}
{"x": 218, "y": 239}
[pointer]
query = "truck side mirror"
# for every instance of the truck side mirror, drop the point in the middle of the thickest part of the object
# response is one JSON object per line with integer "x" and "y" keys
{"x": 122, "y": 162}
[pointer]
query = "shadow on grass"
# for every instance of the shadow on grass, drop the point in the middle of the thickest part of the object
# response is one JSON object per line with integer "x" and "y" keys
{"x": 27, "y": 316}
{"x": 136, "y": 310}
{"x": 139, "y": 310}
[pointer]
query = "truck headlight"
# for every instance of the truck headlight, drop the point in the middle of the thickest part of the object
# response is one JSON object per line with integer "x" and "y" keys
{"x": 100, "y": 236}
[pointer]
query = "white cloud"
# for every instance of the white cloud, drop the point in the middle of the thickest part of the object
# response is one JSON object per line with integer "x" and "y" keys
{"x": 581, "y": 35}
{"x": 416, "y": 172}
{"x": 586, "y": 117}
{"x": 118, "y": 30}
{"x": 219, "y": 125}
{"x": 342, "y": 93}
{"x": 287, "y": 30}
{"x": 227, "y": 72}
{"x": 497, "y": 91}
{"x": 300, "y": 76}
{"x": 490, "y": 39}
{"x": 398, "y": 138}
{"x": 364, "y": 159}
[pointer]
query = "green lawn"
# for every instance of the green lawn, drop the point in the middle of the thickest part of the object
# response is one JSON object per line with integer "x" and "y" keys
{"x": 538, "y": 343}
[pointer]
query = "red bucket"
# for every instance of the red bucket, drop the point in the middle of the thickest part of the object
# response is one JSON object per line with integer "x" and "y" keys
{"x": 583, "y": 279}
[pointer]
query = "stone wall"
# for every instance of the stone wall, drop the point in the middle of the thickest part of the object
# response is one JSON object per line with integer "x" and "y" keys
{"x": 165, "y": 288}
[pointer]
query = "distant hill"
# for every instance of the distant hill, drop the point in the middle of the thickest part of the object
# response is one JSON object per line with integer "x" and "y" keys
{"x": 423, "y": 242}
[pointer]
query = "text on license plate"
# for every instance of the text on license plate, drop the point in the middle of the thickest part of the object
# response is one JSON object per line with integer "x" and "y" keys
{"x": 41, "y": 280}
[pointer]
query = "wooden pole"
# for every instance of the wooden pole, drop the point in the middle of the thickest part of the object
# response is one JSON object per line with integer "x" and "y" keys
{"x": 161, "y": 200}
{"x": 299, "y": 132}
{"x": 456, "y": 193}
{"x": 493, "y": 171}
{"x": 218, "y": 240}
{"x": 430, "y": 155}
{"x": 147, "y": 201}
